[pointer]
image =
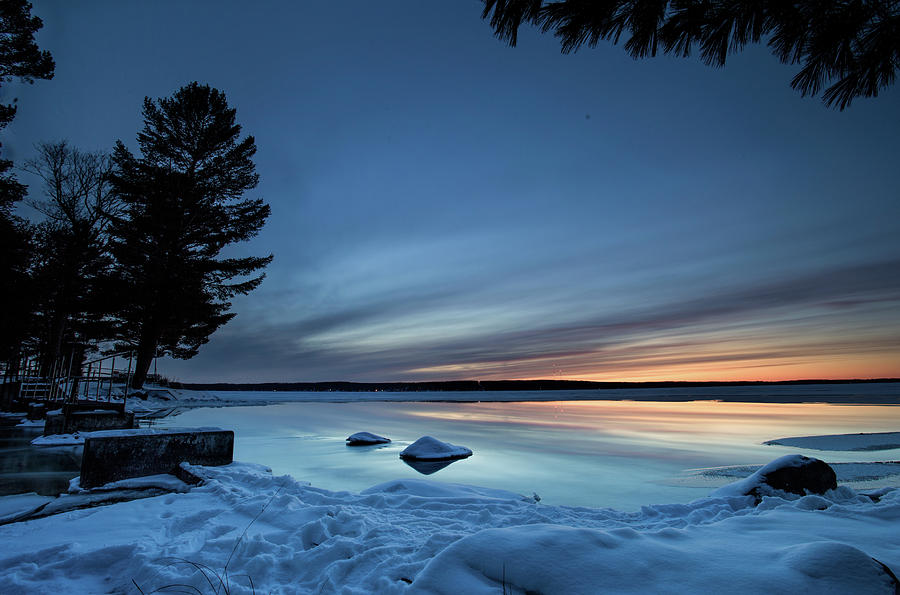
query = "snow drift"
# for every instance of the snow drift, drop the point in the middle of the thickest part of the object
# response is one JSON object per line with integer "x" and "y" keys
{"x": 420, "y": 536}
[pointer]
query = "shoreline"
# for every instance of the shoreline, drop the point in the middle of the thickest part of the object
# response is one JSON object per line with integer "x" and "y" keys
{"x": 887, "y": 393}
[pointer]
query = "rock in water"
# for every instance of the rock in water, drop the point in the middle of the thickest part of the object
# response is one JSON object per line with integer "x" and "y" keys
{"x": 427, "y": 448}
{"x": 366, "y": 439}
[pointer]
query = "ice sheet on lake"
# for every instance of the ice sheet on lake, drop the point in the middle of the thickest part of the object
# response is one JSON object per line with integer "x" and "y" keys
{"x": 848, "y": 442}
{"x": 859, "y": 476}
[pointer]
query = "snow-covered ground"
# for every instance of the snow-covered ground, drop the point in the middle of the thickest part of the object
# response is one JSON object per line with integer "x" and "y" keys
{"x": 419, "y": 536}
{"x": 870, "y": 441}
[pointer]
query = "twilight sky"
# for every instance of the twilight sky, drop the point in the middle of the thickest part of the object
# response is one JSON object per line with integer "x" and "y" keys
{"x": 447, "y": 207}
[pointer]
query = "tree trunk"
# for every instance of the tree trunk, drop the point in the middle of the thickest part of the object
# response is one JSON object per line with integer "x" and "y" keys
{"x": 77, "y": 363}
{"x": 54, "y": 347}
{"x": 145, "y": 353}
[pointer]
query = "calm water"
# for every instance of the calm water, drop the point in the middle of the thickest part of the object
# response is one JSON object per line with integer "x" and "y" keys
{"x": 620, "y": 454}
{"x": 24, "y": 468}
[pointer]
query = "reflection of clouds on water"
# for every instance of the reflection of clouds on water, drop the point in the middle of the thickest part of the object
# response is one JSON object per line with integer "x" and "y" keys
{"x": 429, "y": 467}
{"x": 626, "y": 459}
{"x": 351, "y": 446}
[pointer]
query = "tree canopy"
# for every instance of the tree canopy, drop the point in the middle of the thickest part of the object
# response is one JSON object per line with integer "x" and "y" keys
{"x": 183, "y": 204}
{"x": 71, "y": 256}
{"x": 20, "y": 58}
{"x": 849, "y": 48}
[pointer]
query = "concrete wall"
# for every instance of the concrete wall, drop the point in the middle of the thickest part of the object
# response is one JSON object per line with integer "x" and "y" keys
{"x": 55, "y": 424}
{"x": 87, "y": 421}
{"x": 37, "y": 411}
{"x": 8, "y": 393}
{"x": 121, "y": 457}
{"x": 69, "y": 408}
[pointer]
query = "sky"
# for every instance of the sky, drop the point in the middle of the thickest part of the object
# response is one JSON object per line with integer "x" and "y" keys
{"x": 447, "y": 207}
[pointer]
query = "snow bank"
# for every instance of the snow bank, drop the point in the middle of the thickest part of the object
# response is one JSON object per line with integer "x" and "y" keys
{"x": 555, "y": 559}
{"x": 420, "y": 536}
{"x": 32, "y": 506}
{"x": 427, "y": 448}
{"x": 874, "y": 441}
{"x": 431, "y": 489}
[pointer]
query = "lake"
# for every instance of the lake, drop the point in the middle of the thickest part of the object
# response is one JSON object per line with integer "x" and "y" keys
{"x": 619, "y": 454}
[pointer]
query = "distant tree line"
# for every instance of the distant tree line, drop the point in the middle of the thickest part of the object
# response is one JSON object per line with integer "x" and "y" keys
{"x": 128, "y": 254}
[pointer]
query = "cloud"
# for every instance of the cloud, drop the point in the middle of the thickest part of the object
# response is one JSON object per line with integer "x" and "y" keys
{"x": 838, "y": 311}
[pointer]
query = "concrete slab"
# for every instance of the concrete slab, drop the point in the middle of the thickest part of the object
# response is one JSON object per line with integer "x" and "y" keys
{"x": 87, "y": 421}
{"x": 113, "y": 458}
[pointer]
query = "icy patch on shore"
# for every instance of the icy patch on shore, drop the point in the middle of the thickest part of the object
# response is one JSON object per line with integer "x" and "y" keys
{"x": 18, "y": 505}
{"x": 859, "y": 476}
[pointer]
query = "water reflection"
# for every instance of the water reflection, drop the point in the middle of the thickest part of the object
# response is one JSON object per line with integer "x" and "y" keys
{"x": 361, "y": 447}
{"x": 607, "y": 453}
{"x": 428, "y": 467}
{"x": 25, "y": 468}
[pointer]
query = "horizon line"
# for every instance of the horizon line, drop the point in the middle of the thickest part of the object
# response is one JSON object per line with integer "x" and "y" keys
{"x": 594, "y": 383}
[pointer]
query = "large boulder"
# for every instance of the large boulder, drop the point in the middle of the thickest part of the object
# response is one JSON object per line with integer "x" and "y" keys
{"x": 800, "y": 475}
{"x": 793, "y": 474}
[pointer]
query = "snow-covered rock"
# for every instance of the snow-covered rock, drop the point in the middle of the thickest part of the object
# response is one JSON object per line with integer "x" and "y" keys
{"x": 793, "y": 474}
{"x": 427, "y": 448}
{"x": 366, "y": 439}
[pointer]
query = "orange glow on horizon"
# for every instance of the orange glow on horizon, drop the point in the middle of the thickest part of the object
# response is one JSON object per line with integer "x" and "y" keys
{"x": 750, "y": 370}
